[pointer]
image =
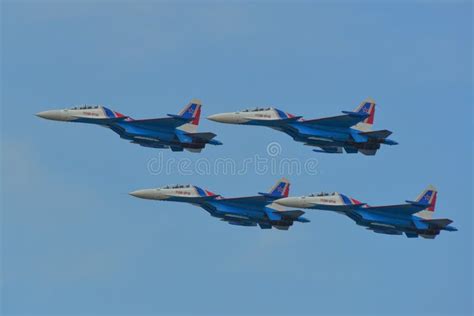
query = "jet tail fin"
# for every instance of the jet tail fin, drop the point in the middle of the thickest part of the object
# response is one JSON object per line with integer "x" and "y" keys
{"x": 279, "y": 190}
{"x": 428, "y": 198}
{"x": 366, "y": 107}
{"x": 190, "y": 111}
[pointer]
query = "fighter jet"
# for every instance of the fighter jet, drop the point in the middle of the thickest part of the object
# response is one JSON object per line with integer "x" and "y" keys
{"x": 243, "y": 211}
{"x": 413, "y": 218}
{"x": 351, "y": 131}
{"x": 176, "y": 132}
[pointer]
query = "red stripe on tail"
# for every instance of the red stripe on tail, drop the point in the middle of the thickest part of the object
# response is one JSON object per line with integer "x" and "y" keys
{"x": 197, "y": 115}
{"x": 370, "y": 119}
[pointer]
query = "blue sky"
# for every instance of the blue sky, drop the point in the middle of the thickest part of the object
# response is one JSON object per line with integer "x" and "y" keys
{"x": 74, "y": 242}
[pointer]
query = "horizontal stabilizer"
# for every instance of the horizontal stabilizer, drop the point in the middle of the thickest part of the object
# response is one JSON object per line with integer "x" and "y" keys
{"x": 441, "y": 223}
{"x": 204, "y": 137}
{"x": 377, "y": 134}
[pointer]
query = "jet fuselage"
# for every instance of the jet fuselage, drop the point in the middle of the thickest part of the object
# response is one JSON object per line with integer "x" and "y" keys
{"x": 243, "y": 211}
{"x": 392, "y": 220}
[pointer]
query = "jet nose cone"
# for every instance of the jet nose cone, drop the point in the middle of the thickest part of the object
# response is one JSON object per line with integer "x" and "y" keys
{"x": 55, "y": 115}
{"x": 230, "y": 118}
{"x": 149, "y": 194}
{"x": 44, "y": 114}
{"x": 290, "y": 202}
{"x": 215, "y": 117}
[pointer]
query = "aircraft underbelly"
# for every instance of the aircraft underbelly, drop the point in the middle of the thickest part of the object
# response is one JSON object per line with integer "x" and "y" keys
{"x": 333, "y": 134}
{"x": 163, "y": 135}
{"x": 377, "y": 219}
{"x": 230, "y": 210}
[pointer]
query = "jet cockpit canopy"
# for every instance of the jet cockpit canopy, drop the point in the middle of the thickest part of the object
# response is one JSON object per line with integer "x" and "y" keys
{"x": 86, "y": 107}
{"x": 177, "y": 186}
{"x": 257, "y": 109}
{"x": 322, "y": 194}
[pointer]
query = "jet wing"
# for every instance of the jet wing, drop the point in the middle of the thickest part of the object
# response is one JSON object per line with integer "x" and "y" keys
{"x": 347, "y": 120}
{"x": 401, "y": 209}
{"x": 102, "y": 121}
{"x": 160, "y": 123}
{"x": 257, "y": 200}
{"x": 280, "y": 122}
